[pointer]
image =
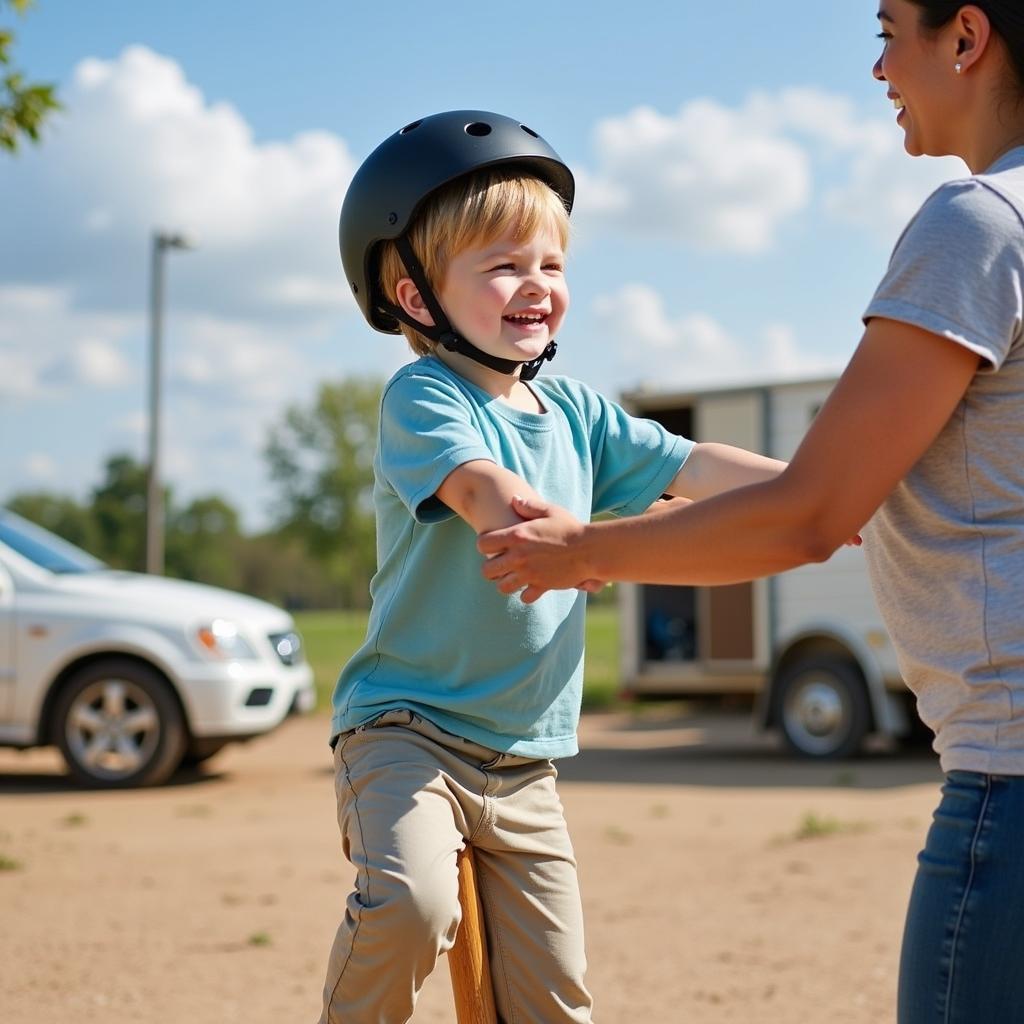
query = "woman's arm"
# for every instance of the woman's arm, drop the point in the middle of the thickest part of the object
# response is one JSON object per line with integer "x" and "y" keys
{"x": 894, "y": 398}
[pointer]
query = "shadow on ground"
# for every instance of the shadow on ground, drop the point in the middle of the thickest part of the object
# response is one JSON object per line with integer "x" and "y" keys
{"x": 659, "y": 746}
{"x": 724, "y": 749}
{"x": 34, "y": 783}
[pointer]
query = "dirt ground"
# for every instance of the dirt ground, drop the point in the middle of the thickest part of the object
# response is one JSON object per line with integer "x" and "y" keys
{"x": 721, "y": 880}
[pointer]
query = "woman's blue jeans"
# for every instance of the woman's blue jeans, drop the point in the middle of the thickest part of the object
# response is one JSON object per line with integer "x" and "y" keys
{"x": 963, "y": 948}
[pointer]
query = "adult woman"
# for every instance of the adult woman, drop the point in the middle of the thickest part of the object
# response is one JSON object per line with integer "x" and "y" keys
{"x": 925, "y": 427}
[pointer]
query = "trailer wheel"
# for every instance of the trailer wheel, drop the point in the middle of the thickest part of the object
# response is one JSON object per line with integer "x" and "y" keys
{"x": 823, "y": 707}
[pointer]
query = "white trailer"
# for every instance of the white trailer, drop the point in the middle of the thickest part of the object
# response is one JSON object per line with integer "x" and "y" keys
{"x": 808, "y": 644}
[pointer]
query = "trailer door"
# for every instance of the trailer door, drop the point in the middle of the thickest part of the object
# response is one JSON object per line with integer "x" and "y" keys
{"x": 732, "y": 621}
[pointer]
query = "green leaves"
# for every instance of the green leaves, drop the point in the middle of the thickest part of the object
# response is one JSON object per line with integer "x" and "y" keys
{"x": 23, "y": 110}
{"x": 24, "y": 106}
{"x": 321, "y": 459}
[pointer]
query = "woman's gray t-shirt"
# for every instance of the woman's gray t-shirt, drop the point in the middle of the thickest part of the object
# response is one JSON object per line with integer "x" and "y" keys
{"x": 946, "y": 549}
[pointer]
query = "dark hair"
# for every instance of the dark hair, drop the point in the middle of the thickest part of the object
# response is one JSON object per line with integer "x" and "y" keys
{"x": 1006, "y": 17}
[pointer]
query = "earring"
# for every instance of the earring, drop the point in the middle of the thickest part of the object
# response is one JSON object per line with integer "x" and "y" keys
{"x": 958, "y": 67}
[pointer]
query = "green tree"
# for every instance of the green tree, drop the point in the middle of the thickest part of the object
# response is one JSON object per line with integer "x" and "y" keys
{"x": 23, "y": 106}
{"x": 278, "y": 568}
{"x": 119, "y": 511}
{"x": 203, "y": 541}
{"x": 321, "y": 458}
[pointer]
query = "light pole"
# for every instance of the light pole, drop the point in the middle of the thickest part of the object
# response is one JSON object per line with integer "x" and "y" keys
{"x": 162, "y": 241}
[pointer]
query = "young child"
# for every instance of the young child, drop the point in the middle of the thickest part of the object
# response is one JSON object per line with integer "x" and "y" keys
{"x": 448, "y": 717}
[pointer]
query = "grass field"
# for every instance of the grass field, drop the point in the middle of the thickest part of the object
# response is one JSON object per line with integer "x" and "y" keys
{"x": 331, "y": 638}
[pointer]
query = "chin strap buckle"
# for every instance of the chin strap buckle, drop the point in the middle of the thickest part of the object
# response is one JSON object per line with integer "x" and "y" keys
{"x": 532, "y": 368}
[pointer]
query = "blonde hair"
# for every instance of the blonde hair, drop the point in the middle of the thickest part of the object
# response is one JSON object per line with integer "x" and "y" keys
{"x": 473, "y": 210}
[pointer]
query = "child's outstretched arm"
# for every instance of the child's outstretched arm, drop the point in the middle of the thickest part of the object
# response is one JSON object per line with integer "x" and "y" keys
{"x": 481, "y": 492}
{"x": 713, "y": 468}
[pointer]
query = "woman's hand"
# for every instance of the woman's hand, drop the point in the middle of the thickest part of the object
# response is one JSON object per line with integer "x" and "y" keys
{"x": 539, "y": 555}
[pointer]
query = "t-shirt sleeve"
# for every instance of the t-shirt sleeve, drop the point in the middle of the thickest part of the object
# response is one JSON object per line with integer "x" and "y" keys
{"x": 957, "y": 271}
{"x": 426, "y": 431}
{"x": 634, "y": 459}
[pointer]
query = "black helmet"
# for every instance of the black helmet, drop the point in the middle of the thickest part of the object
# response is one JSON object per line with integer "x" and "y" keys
{"x": 397, "y": 177}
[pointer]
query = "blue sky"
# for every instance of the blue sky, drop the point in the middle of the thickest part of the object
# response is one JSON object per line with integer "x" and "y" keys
{"x": 741, "y": 182}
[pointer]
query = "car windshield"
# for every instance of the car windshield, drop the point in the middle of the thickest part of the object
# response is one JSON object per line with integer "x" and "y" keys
{"x": 44, "y": 548}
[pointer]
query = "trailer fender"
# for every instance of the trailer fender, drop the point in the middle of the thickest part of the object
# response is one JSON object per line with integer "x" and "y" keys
{"x": 887, "y": 713}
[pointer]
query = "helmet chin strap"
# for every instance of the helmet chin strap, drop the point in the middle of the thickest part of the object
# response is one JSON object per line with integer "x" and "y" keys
{"x": 442, "y": 331}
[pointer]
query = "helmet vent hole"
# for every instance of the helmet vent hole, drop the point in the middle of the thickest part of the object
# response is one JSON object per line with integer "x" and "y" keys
{"x": 409, "y": 127}
{"x": 529, "y": 131}
{"x": 355, "y": 288}
{"x": 478, "y": 128}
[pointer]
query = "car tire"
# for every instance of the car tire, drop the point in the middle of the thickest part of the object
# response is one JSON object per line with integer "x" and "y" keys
{"x": 118, "y": 725}
{"x": 823, "y": 708}
{"x": 200, "y": 751}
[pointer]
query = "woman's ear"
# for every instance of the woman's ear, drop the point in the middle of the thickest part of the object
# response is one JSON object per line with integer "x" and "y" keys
{"x": 973, "y": 34}
{"x": 411, "y": 301}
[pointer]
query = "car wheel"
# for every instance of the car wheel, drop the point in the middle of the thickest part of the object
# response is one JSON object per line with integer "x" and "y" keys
{"x": 823, "y": 707}
{"x": 118, "y": 725}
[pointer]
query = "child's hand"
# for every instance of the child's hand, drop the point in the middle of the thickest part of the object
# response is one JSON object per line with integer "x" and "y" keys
{"x": 591, "y": 586}
{"x": 854, "y": 542}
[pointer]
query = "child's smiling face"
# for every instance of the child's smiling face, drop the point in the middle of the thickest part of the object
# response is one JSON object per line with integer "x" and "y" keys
{"x": 508, "y": 297}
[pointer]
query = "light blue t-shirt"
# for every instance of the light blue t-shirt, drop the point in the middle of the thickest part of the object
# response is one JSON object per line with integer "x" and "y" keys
{"x": 441, "y": 640}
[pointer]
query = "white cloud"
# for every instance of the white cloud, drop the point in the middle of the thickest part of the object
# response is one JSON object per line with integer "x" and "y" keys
{"x": 827, "y": 118}
{"x": 33, "y": 300}
{"x": 237, "y": 361}
{"x": 709, "y": 175}
{"x": 727, "y": 179}
{"x": 99, "y": 363}
{"x": 310, "y": 293}
{"x": 882, "y": 186}
{"x": 18, "y": 376}
{"x": 41, "y": 467}
{"x": 141, "y": 149}
{"x": 132, "y": 425}
{"x": 694, "y": 349}
{"x": 47, "y": 347}
{"x": 885, "y": 187}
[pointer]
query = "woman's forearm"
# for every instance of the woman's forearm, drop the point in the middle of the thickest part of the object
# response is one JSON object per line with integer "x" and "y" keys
{"x": 754, "y": 531}
{"x": 748, "y": 532}
{"x": 898, "y": 392}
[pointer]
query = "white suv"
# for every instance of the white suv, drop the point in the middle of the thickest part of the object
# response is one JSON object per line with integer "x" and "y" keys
{"x": 131, "y": 675}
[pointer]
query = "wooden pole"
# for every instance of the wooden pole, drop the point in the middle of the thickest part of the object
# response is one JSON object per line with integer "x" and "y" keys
{"x": 467, "y": 960}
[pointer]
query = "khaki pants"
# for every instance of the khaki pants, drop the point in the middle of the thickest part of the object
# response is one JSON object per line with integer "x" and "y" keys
{"x": 409, "y": 797}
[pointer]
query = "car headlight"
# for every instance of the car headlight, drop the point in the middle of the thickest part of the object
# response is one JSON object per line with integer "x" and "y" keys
{"x": 288, "y": 647}
{"x": 220, "y": 639}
